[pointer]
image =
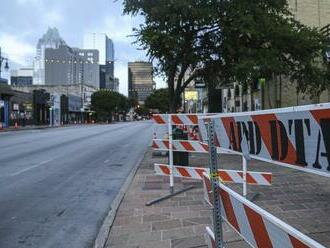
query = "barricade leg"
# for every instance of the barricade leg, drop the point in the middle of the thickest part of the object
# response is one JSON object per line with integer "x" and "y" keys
{"x": 170, "y": 153}
{"x": 217, "y": 218}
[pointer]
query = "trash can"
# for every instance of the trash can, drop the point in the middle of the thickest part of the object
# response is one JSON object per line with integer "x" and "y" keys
{"x": 180, "y": 158}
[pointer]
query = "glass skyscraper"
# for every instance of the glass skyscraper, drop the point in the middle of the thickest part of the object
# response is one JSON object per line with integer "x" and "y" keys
{"x": 104, "y": 45}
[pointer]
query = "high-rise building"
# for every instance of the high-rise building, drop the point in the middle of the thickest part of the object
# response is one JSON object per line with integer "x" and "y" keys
{"x": 102, "y": 43}
{"x": 67, "y": 66}
{"x": 22, "y": 76}
{"x": 51, "y": 39}
{"x": 115, "y": 84}
{"x": 105, "y": 46}
{"x": 140, "y": 80}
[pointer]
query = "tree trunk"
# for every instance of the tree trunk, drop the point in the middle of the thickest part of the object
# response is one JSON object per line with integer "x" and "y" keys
{"x": 172, "y": 95}
{"x": 214, "y": 98}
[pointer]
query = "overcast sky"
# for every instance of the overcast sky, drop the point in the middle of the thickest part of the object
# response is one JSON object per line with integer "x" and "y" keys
{"x": 23, "y": 22}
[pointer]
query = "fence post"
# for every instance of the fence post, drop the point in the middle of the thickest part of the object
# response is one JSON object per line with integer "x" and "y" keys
{"x": 213, "y": 164}
{"x": 170, "y": 153}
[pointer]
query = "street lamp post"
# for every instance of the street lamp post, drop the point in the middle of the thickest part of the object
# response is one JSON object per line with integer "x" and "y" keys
{"x": 1, "y": 60}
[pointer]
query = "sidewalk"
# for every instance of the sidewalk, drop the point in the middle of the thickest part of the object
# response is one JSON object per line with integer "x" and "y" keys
{"x": 21, "y": 128}
{"x": 36, "y": 127}
{"x": 302, "y": 200}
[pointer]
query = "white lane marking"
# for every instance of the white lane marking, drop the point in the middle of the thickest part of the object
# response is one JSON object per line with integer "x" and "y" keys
{"x": 31, "y": 167}
{"x": 106, "y": 161}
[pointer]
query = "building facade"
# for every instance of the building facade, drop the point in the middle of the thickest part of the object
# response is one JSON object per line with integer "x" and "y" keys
{"x": 116, "y": 84}
{"x": 23, "y": 76}
{"x": 67, "y": 66}
{"x": 84, "y": 92}
{"x": 314, "y": 13}
{"x": 105, "y": 46}
{"x": 140, "y": 80}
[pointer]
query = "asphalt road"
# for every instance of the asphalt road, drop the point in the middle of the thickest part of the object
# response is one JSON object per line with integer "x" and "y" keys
{"x": 57, "y": 185}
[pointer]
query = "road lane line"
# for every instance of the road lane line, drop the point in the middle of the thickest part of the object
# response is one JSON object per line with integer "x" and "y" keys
{"x": 31, "y": 167}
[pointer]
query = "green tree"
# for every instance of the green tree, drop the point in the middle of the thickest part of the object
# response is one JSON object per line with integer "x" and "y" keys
{"x": 159, "y": 99}
{"x": 179, "y": 36}
{"x": 228, "y": 41}
{"x": 105, "y": 103}
{"x": 132, "y": 102}
{"x": 262, "y": 39}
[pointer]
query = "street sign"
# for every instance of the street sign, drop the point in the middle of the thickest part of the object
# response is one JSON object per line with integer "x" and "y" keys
{"x": 297, "y": 137}
{"x": 199, "y": 85}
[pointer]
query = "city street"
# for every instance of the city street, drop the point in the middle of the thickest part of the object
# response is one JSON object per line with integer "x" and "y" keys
{"x": 57, "y": 185}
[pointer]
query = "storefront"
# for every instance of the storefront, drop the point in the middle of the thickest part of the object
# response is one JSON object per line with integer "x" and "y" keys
{"x": 5, "y": 94}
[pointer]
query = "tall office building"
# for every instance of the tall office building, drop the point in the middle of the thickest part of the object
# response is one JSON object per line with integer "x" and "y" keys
{"x": 51, "y": 39}
{"x": 140, "y": 80}
{"x": 105, "y": 46}
{"x": 68, "y": 66}
{"x": 116, "y": 84}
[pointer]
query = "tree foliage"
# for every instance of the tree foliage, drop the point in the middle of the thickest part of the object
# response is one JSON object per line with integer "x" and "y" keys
{"x": 262, "y": 39}
{"x": 228, "y": 41}
{"x": 105, "y": 103}
{"x": 159, "y": 99}
{"x": 176, "y": 34}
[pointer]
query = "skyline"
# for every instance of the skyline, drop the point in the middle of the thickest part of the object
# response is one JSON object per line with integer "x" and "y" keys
{"x": 19, "y": 36}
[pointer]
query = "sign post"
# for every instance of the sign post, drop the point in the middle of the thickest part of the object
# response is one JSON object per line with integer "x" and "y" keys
{"x": 213, "y": 163}
{"x": 170, "y": 153}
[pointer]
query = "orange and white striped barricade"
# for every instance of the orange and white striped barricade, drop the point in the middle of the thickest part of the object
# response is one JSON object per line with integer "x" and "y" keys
{"x": 177, "y": 119}
{"x": 257, "y": 227}
{"x": 184, "y": 146}
{"x": 182, "y": 120}
{"x": 226, "y": 176}
{"x": 180, "y": 145}
{"x": 296, "y": 137}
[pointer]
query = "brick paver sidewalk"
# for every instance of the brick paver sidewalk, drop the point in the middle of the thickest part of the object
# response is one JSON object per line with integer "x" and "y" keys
{"x": 300, "y": 199}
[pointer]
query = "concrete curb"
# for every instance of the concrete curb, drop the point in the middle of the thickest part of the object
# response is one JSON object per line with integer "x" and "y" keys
{"x": 104, "y": 231}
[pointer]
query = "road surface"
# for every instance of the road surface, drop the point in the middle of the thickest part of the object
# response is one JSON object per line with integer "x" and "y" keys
{"x": 57, "y": 185}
